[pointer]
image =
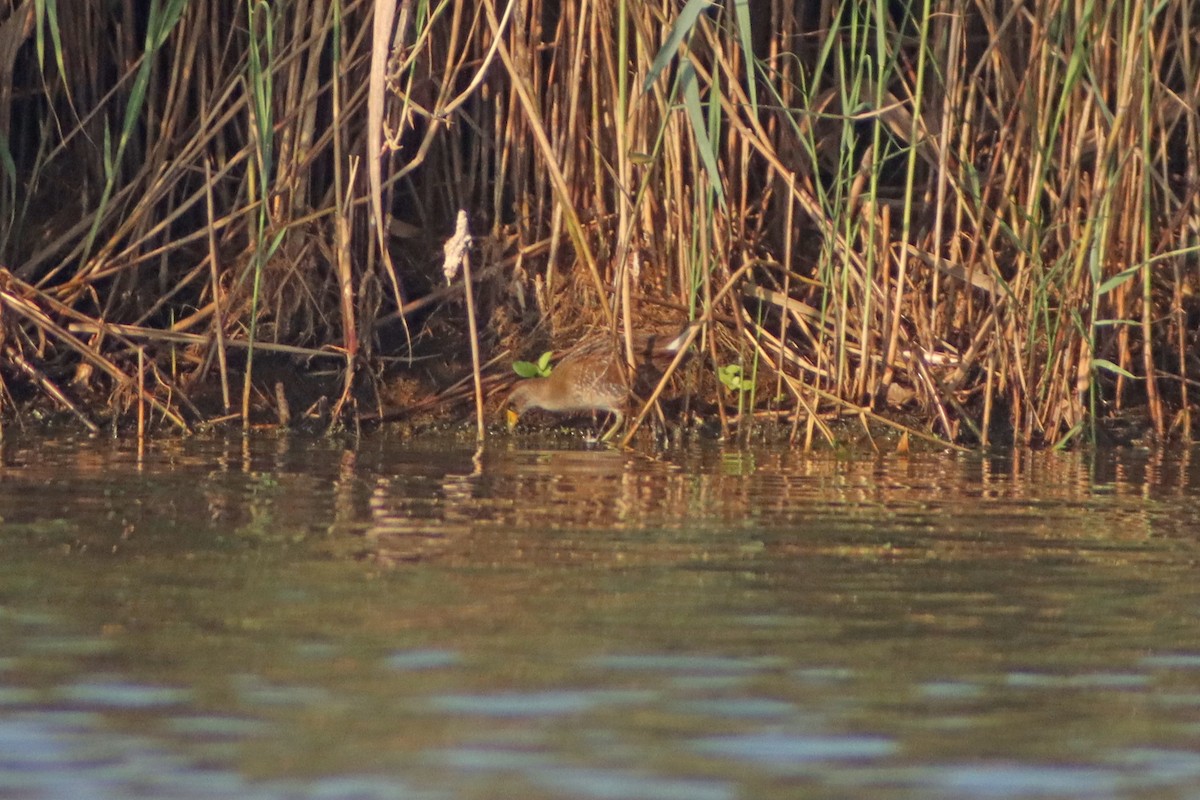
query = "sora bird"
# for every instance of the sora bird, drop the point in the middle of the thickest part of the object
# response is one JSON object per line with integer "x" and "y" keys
{"x": 592, "y": 377}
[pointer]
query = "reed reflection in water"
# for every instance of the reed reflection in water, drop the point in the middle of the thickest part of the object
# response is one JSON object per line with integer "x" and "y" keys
{"x": 321, "y": 618}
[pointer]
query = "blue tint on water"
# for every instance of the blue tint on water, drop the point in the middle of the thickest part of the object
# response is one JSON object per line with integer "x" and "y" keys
{"x": 287, "y": 617}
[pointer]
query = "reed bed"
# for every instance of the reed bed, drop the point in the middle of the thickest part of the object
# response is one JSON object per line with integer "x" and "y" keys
{"x": 972, "y": 222}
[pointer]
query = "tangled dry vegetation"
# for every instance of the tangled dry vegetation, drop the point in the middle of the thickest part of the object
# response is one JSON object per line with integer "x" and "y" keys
{"x": 978, "y": 218}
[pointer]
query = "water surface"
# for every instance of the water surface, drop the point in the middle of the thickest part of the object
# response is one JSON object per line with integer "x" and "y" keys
{"x": 288, "y": 617}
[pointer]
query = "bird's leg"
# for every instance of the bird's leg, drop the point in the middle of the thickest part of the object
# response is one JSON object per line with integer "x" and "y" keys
{"x": 616, "y": 426}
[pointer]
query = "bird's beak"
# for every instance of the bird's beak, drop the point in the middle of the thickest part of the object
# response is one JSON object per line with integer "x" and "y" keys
{"x": 512, "y": 416}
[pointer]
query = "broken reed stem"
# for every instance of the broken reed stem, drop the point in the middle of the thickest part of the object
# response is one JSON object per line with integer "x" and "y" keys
{"x": 457, "y": 256}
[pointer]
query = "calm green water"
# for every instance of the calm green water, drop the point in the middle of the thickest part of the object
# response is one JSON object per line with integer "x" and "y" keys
{"x": 295, "y": 618}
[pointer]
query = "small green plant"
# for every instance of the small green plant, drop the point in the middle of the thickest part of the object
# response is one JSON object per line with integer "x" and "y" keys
{"x": 731, "y": 376}
{"x": 534, "y": 369}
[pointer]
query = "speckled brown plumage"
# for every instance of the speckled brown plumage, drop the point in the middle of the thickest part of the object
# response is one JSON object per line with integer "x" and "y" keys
{"x": 592, "y": 377}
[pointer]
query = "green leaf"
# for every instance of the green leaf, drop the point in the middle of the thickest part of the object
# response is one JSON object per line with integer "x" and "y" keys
{"x": 682, "y": 27}
{"x": 1071, "y": 434}
{"x": 46, "y": 12}
{"x": 1105, "y": 364}
{"x": 730, "y": 376}
{"x": 7, "y": 162}
{"x": 704, "y": 143}
{"x": 741, "y": 9}
{"x": 1118, "y": 279}
{"x": 530, "y": 369}
{"x": 525, "y": 369}
{"x": 159, "y": 24}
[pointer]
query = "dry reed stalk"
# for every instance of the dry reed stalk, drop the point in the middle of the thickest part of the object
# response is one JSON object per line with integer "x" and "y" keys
{"x": 14, "y": 357}
{"x": 40, "y": 320}
{"x": 214, "y": 274}
{"x": 1028, "y": 203}
{"x": 141, "y": 394}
